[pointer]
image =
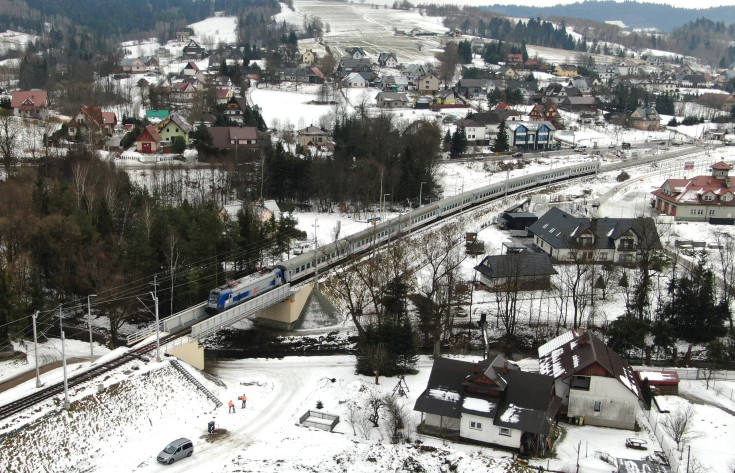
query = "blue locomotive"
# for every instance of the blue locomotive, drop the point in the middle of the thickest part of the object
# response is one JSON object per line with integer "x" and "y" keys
{"x": 240, "y": 290}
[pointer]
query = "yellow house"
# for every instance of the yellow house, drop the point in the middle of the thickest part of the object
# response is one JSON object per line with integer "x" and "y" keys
{"x": 172, "y": 127}
{"x": 566, "y": 70}
{"x": 308, "y": 57}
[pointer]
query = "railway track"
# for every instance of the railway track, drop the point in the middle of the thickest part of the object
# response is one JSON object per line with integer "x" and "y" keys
{"x": 49, "y": 392}
{"x": 19, "y": 405}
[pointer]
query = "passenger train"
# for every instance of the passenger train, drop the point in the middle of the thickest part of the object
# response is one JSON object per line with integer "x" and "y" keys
{"x": 304, "y": 264}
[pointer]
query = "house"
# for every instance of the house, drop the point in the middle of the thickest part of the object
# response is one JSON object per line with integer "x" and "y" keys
{"x": 236, "y": 109}
{"x": 616, "y": 240}
{"x": 308, "y": 57}
{"x": 91, "y": 122}
{"x": 490, "y": 402}
{"x": 193, "y": 51}
{"x": 507, "y": 73}
{"x": 477, "y": 45}
{"x": 356, "y": 53}
{"x": 234, "y": 137}
{"x": 347, "y": 65}
{"x": 471, "y": 88}
{"x": 645, "y": 118}
{"x": 312, "y": 136}
{"x": 173, "y": 127}
{"x": 474, "y": 131}
{"x": 446, "y": 97}
{"x": 356, "y": 79}
{"x": 392, "y": 100}
{"x": 530, "y": 135}
{"x": 149, "y": 141}
{"x": 514, "y": 60}
{"x": 387, "y": 60}
{"x": 269, "y": 209}
{"x": 155, "y": 116}
{"x": 524, "y": 270}
{"x": 532, "y": 64}
{"x": 428, "y": 84}
{"x": 222, "y": 96}
{"x": 545, "y": 112}
{"x": 134, "y": 65}
{"x": 394, "y": 83}
{"x": 579, "y": 104}
{"x": 701, "y": 198}
{"x": 491, "y": 121}
{"x": 566, "y": 70}
{"x": 29, "y": 103}
{"x": 594, "y": 382}
{"x": 414, "y": 72}
{"x": 190, "y": 69}
{"x": 183, "y": 91}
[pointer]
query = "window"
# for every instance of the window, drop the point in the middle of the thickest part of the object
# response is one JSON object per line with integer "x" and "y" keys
{"x": 598, "y": 404}
{"x": 581, "y": 382}
{"x": 505, "y": 431}
{"x": 476, "y": 425}
{"x": 708, "y": 197}
{"x": 711, "y": 212}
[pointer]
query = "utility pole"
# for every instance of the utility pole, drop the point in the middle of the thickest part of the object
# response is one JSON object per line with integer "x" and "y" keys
{"x": 689, "y": 455}
{"x": 67, "y": 404}
{"x": 155, "y": 300}
{"x": 89, "y": 322}
{"x": 421, "y": 188}
{"x": 35, "y": 350}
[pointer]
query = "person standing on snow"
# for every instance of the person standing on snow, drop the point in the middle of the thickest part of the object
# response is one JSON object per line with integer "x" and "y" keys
{"x": 232, "y": 406}
{"x": 244, "y": 400}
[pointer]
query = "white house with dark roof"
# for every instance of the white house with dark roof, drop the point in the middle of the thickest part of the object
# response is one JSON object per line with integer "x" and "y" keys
{"x": 701, "y": 198}
{"x": 594, "y": 382}
{"x": 617, "y": 240}
{"x": 490, "y": 403}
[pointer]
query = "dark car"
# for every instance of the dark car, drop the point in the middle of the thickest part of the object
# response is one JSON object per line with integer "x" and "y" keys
{"x": 517, "y": 155}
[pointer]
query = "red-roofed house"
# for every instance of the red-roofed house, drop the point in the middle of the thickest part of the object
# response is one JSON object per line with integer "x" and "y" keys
{"x": 30, "y": 103}
{"x": 664, "y": 382}
{"x": 148, "y": 141}
{"x": 224, "y": 96}
{"x": 700, "y": 198}
{"x": 92, "y": 123}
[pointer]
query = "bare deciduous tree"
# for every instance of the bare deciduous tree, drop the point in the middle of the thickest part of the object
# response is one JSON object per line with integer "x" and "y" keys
{"x": 9, "y": 132}
{"x": 678, "y": 424}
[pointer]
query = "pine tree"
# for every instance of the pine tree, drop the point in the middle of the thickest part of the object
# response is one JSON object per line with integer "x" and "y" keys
{"x": 501, "y": 141}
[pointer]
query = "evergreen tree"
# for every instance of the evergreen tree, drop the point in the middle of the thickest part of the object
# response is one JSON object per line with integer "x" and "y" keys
{"x": 459, "y": 143}
{"x": 501, "y": 142}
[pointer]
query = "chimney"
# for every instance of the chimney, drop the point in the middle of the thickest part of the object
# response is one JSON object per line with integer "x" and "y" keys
{"x": 505, "y": 367}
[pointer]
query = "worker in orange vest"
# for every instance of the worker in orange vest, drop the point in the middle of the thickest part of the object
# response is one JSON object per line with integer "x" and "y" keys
{"x": 244, "y": 399}
{"x": 232, "y": 406}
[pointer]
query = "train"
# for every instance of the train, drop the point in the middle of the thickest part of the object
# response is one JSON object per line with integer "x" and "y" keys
{"x": 307, "y": 262}
{"x": 239, "y": 290}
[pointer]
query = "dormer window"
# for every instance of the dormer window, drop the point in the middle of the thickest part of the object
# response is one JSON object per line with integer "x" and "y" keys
{"x": 709, "y": 197}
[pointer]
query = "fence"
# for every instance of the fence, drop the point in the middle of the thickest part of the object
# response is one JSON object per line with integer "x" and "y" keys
{"x": 319, "y": 420}
{"x": 668, "y": 446}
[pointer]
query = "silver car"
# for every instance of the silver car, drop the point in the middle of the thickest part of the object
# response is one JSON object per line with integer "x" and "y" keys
{"x": 176, "y": 450}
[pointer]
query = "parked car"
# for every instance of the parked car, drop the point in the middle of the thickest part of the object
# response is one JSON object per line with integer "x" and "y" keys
{"x": 626, "y": 145}
{"x": 176, "y": 450}
{"x": 517, "y": 155}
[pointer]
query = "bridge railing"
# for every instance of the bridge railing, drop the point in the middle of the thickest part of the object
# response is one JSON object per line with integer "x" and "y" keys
{"x": 225, "y": 319}
{"x": 178, "y": 320}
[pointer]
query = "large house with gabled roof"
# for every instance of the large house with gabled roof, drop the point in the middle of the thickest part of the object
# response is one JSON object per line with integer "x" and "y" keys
{"x": 700, "y": 198}
{"x": 615, "y": 240}
{"x": 596, "y": 385}
{"x": 491, "y": 402}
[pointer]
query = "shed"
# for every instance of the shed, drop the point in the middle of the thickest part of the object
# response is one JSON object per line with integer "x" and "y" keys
{"x": 665, "y": 382}
{"x": 518, "y": 220}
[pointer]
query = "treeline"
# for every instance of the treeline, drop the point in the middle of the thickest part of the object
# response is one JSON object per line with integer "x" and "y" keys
{"x": 371, "y": 153}
{"x": 77, "y": 226}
